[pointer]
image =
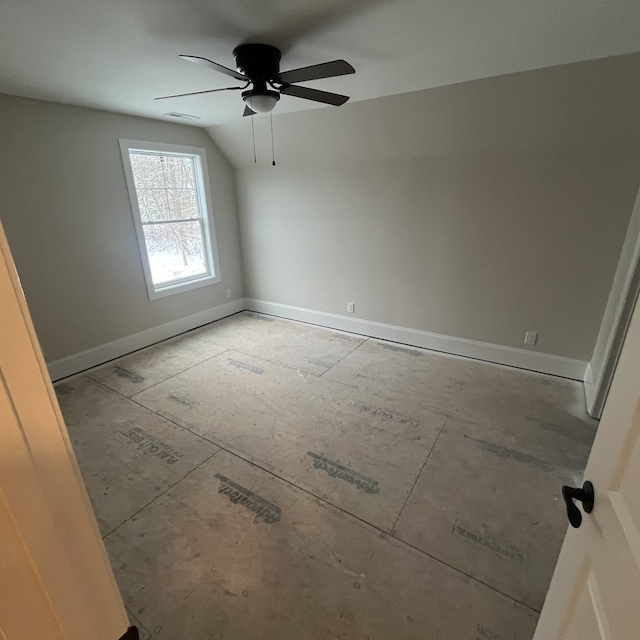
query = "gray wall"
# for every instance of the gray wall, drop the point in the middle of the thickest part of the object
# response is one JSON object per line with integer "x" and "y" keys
{"x": 66, "y": 213}
{"x": 480, "y": 210}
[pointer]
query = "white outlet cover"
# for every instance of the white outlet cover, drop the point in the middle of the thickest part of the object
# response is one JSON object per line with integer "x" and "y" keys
{"x": 530, "y": 338}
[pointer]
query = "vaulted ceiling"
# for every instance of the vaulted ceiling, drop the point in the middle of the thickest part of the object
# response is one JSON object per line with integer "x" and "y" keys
{"x": 120, "y": 54}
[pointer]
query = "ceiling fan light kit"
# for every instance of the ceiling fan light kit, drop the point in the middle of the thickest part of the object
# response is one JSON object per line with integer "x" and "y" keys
{"x": 261, "y": 102}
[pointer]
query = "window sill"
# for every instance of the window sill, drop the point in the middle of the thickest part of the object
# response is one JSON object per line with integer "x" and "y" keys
{"x": 182, "y": 287}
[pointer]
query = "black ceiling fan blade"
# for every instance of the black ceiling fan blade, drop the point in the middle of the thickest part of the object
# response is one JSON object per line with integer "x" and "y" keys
{"x": 318, "y": 71}
{"x": 248, "y": 112}
{"x": 335, "y": 99}
{"x": 195, "y": 93}
{"x": 215, "y": 66}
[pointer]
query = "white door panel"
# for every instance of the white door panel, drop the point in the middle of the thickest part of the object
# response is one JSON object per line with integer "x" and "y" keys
{"x": 55, "y": 579}
{"x": 584, "y": 622}
{"x": 595, "y": 591}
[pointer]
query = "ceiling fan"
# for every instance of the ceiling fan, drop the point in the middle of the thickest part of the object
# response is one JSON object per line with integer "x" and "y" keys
{"x": 258, "y": 66}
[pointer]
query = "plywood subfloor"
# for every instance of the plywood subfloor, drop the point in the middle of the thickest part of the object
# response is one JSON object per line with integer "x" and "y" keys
{"x": 261, "y": 478}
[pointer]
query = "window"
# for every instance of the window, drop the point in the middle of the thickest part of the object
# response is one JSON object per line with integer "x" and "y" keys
{"x": 171, "y": 205}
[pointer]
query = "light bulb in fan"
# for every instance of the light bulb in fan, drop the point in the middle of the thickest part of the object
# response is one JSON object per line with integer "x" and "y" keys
{"x": 261, "y": 101}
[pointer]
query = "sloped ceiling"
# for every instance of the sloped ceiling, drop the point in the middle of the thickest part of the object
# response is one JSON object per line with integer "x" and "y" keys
{"x": 120, "y": 54}
{"x": 580, "y": 105}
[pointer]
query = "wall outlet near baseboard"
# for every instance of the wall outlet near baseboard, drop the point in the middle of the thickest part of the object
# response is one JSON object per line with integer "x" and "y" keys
{"x": 351, "y": 307}
{"x": 531, "y": 338}
{"x": 228, "y": 293}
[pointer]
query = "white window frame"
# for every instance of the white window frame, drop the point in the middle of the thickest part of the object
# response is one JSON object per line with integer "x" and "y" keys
{"x": 204, "y": 201}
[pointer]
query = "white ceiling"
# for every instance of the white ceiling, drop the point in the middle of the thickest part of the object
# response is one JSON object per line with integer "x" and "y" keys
{"x": 120, "y": 54}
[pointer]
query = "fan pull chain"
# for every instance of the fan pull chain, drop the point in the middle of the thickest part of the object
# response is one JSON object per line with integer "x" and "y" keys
{"x": 253, "y": 131}
{"x": 273, "y": 153}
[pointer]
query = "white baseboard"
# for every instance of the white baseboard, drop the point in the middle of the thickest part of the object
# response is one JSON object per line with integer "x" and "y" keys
{"x": 103, "y": 353}
{"x": 520, "y": 358}
{"x": 589, "y": 388}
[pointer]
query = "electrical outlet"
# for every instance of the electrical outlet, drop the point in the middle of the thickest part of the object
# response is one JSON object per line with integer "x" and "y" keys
{"x": 531, "y": 338}
{"x": 228, "y": 293}
{"x": 351, "y": 307}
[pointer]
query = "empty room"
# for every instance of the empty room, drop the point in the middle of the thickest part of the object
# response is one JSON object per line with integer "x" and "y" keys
{"x": 318, "y": 320}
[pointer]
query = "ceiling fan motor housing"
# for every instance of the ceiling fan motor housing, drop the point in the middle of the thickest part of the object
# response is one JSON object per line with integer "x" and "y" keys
{"x": 261, "y": 64}
{"x": 258, "y": 61}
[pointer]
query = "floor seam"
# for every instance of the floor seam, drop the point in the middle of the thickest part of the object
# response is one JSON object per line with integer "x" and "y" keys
{"x": 155, "y": 413}
{"x": 170, "y": 377}
{"x": 341, "y": 510}
{"x": 133, "y": 515}
{"x": 87, "y": 373}
{"x": 282, "y": 364}
{"x": 189, "y": 430}
{"x": 435, "y": 410}
{"x": 343, "y": 357}
{"x": 320, "y": 375}
{"x": 415, "y": 482}
{"x": 521, "y": 437}
{"x": 106, "y": 386}
{"x": 291, "y": 366}
{"x": 389, "y": 534}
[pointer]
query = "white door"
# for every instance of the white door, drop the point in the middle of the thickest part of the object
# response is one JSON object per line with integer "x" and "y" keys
{"x": 55, "y": 579}
{"x": 595, "y": 591}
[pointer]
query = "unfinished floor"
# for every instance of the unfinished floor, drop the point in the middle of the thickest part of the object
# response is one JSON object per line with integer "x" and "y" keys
{"x": 261, "y": 479}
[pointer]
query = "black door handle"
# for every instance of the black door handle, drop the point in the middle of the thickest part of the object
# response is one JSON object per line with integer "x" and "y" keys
{"x": 585, "y": 495}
